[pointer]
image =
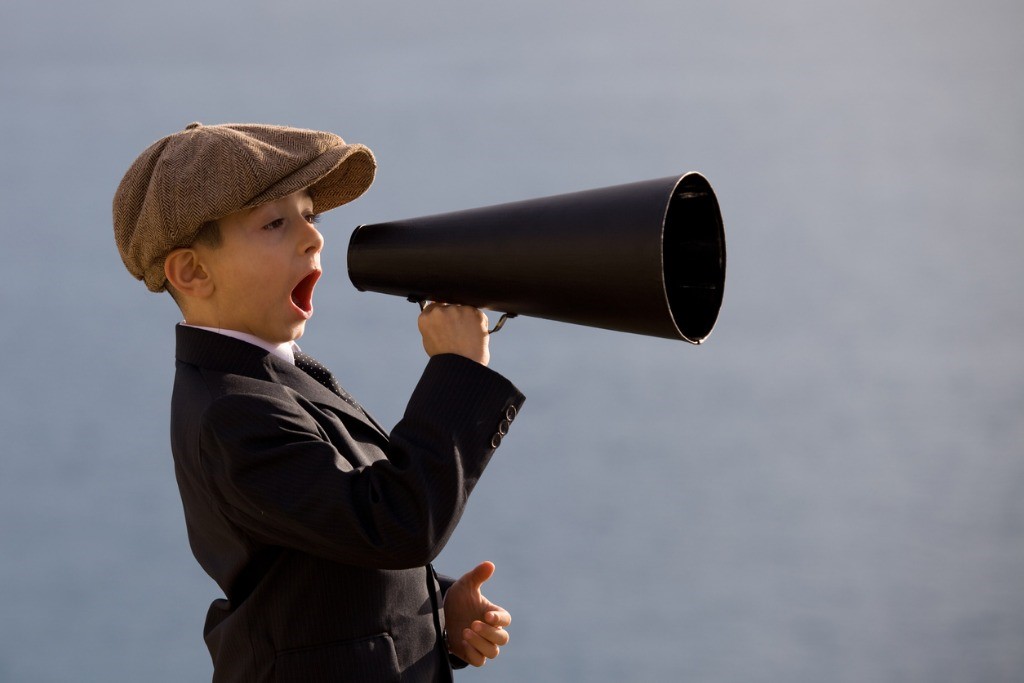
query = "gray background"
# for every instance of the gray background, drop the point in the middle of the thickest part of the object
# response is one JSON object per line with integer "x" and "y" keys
{"x": 831, "y": 489}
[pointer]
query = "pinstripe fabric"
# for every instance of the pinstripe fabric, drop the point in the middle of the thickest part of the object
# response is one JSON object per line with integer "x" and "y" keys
{"x": 318, "y": 527}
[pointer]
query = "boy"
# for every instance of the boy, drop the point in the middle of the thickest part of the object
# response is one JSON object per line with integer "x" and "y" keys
{"x": 317, "y": 524}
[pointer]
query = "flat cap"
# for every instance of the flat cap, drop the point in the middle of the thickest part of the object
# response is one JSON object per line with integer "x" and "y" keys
{"x": 203, "y": 173}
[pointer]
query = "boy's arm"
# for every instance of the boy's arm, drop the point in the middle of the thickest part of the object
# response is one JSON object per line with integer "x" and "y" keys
{"x": 285, "y": 484}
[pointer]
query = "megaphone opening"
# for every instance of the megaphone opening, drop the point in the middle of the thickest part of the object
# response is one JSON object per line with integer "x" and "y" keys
{"x": 693, "y": 257}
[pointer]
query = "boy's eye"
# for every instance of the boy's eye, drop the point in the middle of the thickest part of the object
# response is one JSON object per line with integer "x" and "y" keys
{"x": 274, "y": 224}
{"x": 313, "y": 218}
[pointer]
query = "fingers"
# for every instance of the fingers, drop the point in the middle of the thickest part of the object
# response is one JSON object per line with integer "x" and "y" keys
{"x": 498, "y": 618}
{"x": 466, "y": 319}
{"x": 482, "y": 642}
{"x": 438, "y": 308}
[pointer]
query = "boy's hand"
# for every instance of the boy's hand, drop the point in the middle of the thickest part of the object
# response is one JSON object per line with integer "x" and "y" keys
{"x": 475, "y": 625}
{"x": 455, "y": 329}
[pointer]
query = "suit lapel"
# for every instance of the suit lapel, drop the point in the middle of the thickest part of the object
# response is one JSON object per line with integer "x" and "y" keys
{"x": 300, "y": 381}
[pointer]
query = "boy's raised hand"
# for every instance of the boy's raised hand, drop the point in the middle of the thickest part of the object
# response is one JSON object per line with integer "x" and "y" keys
{"x": 475, "y": 625}
{"x": 455, "y": 329}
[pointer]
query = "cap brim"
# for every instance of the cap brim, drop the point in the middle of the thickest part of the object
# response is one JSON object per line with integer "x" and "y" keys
{"x": 336, "y": 177}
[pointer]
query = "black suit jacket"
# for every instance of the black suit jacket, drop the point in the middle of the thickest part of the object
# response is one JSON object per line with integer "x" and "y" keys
{"x": 318, "y": 526}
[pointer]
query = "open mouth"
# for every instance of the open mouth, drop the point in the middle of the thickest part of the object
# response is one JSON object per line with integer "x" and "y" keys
{"x": 302, "y": 295}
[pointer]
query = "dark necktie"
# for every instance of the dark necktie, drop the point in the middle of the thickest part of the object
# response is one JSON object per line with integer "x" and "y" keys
{"x": 312, "y": 367}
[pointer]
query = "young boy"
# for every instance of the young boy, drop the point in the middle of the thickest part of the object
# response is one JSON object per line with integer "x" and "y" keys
{"x": 317, "y": 524}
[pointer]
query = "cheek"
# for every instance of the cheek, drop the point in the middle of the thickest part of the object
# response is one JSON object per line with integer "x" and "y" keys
{"x": 251, "y": 265}
{"x": 240, "y": 281}
{"x": 262, "y": 277}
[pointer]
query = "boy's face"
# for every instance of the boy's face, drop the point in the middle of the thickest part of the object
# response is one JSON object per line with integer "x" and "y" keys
{"x": 265, "y": 268}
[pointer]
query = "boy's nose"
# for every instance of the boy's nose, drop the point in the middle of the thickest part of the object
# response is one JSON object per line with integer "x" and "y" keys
{"x": 315, "y": 242}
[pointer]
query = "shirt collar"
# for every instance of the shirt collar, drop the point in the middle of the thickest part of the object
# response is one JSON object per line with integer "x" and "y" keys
{"x": 285, "y": 351}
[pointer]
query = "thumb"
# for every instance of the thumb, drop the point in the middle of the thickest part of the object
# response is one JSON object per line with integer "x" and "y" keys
{"x": 479, "y": 574}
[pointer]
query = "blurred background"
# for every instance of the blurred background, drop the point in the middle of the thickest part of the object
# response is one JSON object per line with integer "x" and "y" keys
{"x": 830, "y": 489}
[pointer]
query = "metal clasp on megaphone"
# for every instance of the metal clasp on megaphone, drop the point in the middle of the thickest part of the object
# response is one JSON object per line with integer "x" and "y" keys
{"x": 501, "y": 321}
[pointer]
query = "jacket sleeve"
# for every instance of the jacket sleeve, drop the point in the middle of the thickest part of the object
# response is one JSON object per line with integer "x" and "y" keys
{"x": 283, "y": 483}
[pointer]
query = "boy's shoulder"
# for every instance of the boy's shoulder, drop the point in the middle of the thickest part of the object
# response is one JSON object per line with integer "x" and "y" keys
{"x": 211, "y": 366}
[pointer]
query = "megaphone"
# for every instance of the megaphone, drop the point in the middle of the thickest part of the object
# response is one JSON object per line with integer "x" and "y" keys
{"x": 645, "y": 257}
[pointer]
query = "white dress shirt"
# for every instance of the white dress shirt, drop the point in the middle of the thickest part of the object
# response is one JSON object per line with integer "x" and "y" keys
{"x": 285, "y": 350}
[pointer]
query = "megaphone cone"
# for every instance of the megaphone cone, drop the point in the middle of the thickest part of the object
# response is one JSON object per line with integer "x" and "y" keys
{"x": 646, "y": 257}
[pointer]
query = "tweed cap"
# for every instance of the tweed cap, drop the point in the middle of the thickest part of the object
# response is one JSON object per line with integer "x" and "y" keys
{"x": 203, "y": 173}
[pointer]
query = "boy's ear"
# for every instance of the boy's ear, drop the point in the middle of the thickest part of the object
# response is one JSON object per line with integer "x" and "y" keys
{"x": 186, "y": 273}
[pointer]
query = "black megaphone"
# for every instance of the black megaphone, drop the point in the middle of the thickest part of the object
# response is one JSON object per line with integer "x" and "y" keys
{"x": 646, "y": 257}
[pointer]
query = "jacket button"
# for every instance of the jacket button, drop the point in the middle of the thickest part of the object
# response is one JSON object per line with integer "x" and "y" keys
{"x": 510, "y": 413}
{"x": 503, "y": 427}
{"x": 495, "y": 440}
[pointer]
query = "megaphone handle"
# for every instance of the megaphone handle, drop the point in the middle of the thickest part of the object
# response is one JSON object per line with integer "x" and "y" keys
{"x": 501, "y": 321}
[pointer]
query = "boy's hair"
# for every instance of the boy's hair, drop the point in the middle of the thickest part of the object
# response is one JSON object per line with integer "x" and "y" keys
{"x": 209, "y": 234}
{"x": 189, "y": 179}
